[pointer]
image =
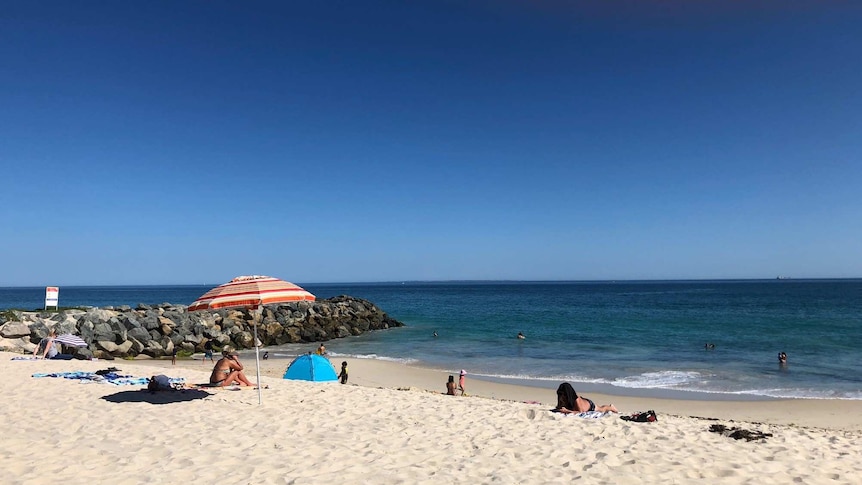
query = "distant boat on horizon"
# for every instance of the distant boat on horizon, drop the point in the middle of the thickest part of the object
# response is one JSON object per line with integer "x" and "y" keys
{"x": 782, "y": 277}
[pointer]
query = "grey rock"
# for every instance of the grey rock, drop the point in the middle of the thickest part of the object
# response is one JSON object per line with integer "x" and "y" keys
{"x": 13, "y": 330}
{"x": 140, "y": 335}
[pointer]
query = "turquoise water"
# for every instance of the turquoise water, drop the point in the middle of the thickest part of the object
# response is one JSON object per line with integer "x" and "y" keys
{"x": 621, "y": 336}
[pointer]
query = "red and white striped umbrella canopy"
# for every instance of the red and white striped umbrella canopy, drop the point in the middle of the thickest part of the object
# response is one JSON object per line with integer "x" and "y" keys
{"x": 250, "y": 291}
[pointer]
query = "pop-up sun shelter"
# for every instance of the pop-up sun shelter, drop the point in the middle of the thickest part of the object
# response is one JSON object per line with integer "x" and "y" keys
{"x": 311, "y": 367}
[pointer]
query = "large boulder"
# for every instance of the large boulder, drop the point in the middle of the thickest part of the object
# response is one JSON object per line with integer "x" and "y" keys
{"x": 13, "y": 330}
{"x": 18, "y": 345}
{"x": 140, "y": 334}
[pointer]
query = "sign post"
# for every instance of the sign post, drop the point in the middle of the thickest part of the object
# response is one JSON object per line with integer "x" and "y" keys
{"x": 52, "y": 297}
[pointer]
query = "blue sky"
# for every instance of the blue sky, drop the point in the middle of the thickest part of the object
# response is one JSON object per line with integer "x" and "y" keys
{"x": 190, "y": 142}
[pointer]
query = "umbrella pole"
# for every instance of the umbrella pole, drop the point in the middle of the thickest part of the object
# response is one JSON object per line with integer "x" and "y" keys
{"x": 257, "y": 364}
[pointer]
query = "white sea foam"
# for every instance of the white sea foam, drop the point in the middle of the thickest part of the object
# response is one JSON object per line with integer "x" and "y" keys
{"x": 658, "y": 380}
{"x": 803, "y": 394}
{"x": 376, "y": 357}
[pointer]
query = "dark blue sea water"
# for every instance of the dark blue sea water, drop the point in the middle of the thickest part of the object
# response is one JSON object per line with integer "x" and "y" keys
{"x": 624, "y": 336}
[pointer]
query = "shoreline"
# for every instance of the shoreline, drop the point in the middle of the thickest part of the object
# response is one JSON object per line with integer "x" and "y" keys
{"x": 551, "y": 384}
{"x": 830, "y": 414}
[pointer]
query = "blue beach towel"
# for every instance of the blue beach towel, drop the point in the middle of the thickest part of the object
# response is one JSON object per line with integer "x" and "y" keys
{"x": 110, "y": 378}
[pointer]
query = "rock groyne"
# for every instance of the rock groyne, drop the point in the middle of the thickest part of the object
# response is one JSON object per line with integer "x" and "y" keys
{"x": 153, "y": 331}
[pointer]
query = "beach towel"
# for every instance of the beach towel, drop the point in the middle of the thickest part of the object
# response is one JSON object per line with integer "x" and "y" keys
{"x": 217, "y": 387}
{"x": 29, "y": 357}
{"x": 589, "y": 415}
{"x": 109, "y": 378}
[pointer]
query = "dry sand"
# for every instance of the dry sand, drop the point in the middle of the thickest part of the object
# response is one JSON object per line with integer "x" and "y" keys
{"x": 371, "y": 432}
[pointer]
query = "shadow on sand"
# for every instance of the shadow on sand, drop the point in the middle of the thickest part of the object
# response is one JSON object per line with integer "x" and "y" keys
{"x": 158, "y": 397}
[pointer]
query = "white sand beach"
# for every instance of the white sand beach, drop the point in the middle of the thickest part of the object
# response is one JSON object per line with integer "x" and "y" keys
{"x": 372, "y": 432}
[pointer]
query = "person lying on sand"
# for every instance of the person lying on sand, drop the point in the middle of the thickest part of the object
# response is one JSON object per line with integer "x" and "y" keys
{"x": 228, "y": 370}
{"x": 568, "y": 401}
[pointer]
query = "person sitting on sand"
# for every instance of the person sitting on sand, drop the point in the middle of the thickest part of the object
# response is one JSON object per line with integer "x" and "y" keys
{"x": 450, "y": 386}
{"x": 47, "y": 346}
{"x": 568, "y": 402}
{"x": 228, "y": 370}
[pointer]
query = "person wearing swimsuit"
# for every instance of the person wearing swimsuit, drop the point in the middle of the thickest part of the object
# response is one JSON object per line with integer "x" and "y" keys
{"x": 569, "y": 402}
{"x": 450, "y": 386}
{"x": 228, "y": 370}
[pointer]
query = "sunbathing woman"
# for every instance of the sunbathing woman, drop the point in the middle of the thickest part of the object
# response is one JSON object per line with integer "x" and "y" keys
{"x": 568, "y": 401}
{"x": 228, "y": 370}
{"x": 450, "y": 386}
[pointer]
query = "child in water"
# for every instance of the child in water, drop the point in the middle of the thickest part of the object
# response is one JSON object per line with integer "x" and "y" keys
{"x": 343, "y": 375}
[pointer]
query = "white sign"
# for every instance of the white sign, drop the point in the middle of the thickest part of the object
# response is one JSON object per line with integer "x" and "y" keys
{"x": 52, "y": 296}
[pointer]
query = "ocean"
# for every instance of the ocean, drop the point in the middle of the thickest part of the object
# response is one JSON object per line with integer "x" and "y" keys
{"x": 629, "y": 338}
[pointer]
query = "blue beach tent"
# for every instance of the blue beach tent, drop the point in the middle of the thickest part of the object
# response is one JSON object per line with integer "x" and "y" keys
{"x": 311, "y": 367}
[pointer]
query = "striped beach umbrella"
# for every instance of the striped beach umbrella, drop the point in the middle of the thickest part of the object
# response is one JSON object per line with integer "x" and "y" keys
{"x": 251, "y": 292}
{"x": 70, "y": 340}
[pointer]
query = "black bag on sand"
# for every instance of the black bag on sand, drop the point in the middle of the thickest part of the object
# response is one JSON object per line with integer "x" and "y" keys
{"x": 644, "y": 417}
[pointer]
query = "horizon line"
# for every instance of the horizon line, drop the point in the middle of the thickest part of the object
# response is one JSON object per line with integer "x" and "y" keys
{"x": 477, "y": 281}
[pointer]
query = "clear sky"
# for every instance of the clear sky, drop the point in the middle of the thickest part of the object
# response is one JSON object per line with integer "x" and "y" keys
{"x": 344, "y": 141}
